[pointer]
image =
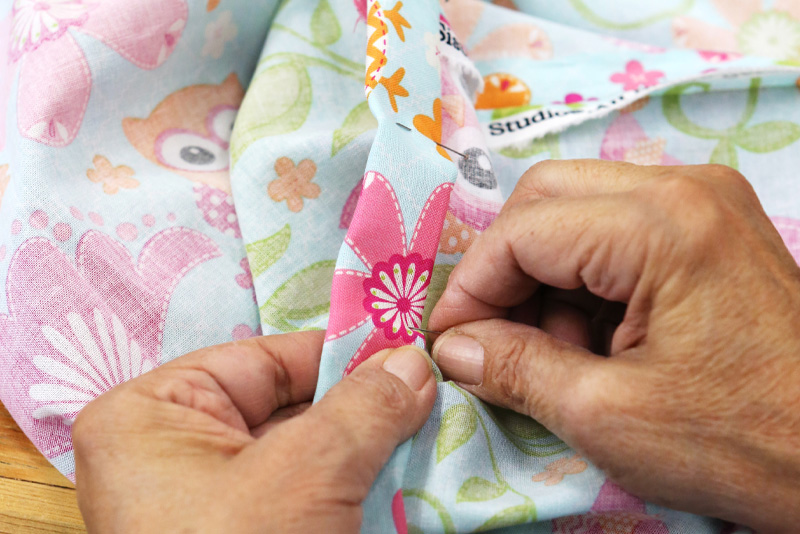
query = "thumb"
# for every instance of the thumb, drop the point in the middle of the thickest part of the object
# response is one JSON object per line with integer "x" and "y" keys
{"x": 527, "y": 370}
{"x": 349, "y": 435}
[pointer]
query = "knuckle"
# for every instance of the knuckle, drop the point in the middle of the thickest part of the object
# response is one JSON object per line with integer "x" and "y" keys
{"x": 531, "y": 181}
{"x": 587, "y": 407}
{"x": 692, "y": 207}
{"x": 723, "y": 175}
{"x": 730, "y": 180}
{"x": 507, "y": 372}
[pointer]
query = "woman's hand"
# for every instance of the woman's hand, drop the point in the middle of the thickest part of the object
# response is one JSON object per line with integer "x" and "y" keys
{"x": 698, "y": 406}
{"x": 210, "y": 442}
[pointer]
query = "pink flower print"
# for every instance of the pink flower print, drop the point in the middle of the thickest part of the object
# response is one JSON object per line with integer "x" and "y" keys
{"x": 718, "y": 57}
{"x": 575, "y": 100}
{"x": 399, "y": 513}
{"x": 396, "y": 294}
{"x": 615, "y": 511}
{"x": 76, "y": 330}
{"x": 245, "y": 279}
{"x": 349, "y": 208}
{"x": 50, "y": 109}
{"x": 36, "y": 21}
{"x": 361, "y": 8}
{"x": 751, "y": 30}
{"x": 635, "y": 76}
{"x": 625, "y": 140}
{"x": 390, "y": 292}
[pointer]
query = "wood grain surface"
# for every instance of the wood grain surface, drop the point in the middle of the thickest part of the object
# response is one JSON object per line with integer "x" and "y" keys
{"x": 34, "y": 497}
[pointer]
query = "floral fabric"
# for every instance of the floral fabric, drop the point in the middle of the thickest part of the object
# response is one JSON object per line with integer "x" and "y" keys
{"x": 182, "y": 173}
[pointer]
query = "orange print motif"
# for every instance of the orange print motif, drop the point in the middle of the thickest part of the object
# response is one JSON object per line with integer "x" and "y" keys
{"x": 377, "y": 45}
{"x": 112, "y": 178}
{"x": 294, "y": 183}
{"x": 432, "y": 127}
{"x": 502, "y": 90}
{"x": 555, "y": 472}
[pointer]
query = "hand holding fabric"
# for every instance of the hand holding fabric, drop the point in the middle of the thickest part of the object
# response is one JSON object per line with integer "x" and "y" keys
{"x": 678, "y": 276}
{"x": 210, "y": 442}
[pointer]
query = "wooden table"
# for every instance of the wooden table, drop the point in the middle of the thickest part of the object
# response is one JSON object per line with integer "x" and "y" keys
{"x": 34, "y": 497}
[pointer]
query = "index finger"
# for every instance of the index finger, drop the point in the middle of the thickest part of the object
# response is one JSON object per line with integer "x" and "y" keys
{"x": 596, "y": 241}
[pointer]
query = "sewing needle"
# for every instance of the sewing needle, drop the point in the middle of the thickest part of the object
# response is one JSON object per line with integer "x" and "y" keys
{"x": 431, "y": 334}
{"x": 465, "y": 156}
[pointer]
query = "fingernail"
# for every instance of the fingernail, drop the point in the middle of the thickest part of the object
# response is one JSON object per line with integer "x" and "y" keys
{"x": 460, "y": 358}
{"x": 409, "y": 364}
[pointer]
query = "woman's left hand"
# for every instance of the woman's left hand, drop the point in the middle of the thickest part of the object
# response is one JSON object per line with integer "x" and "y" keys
{"x": 210, "y": 442}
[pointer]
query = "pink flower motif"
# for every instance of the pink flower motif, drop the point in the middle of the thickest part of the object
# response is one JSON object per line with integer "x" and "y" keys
{"x": 391, "y": 290}
{"x": 361, "y": 7}
{"x": 399, "y": 513}
{"x": 625, "y": 140}
{"x": 635, "y": 76}
{"x": 718, "y": 57}
{"x": 575, "y": 100}
{"x": 349, "y": 208}
{"x": 396, "y": 294}
{"x": 245, "y": 279}
{"x": 614, "y": 510}
{"x": 50, "y": 110}
{"x": 76, "y": 330}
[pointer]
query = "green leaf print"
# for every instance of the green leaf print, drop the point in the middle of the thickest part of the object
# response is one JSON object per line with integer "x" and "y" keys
{"x": 501, "y": 113}
{"x": 264, "y": 253}
{"x": 515, "y": 515}
{"x": 444, "y": 516}
{"x": 307, "y": 294}
{"x": 725, "y": 154}
{"x": 587, "y": 13}
{"x": 277, "y": 102}
{"x": 476, "y": 489}
{"x": 459, "y": 424}
{"x": 439, "y": 277}
{"x": 760, "y": 138}
{"x": 673, "y": 112}
{"x": 525, "y": 434}
{"x": 324, "y": 25}
{"x": 548, "y": 143}
{"x": 768, "y": 136}
{"x": 358, "y": 121}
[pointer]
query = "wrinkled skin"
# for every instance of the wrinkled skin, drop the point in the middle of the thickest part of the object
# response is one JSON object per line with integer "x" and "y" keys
{"x": 224, "y": 440}
{"x": 678, "y": 276}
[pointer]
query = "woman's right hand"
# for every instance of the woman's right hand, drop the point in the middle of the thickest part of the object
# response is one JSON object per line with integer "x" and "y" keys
{"x": 696, "y": 407}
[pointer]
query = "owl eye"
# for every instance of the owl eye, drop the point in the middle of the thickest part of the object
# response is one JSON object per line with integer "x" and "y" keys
{"x": 191, "y": 152}
{"x": 220, "y": 122}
